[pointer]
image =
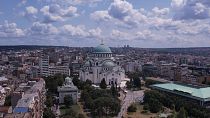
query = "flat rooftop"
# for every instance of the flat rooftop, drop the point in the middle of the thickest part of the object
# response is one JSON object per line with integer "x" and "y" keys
{"x": 187, "y": 90}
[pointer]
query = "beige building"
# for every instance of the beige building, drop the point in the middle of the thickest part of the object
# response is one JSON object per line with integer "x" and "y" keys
{"x": 68, "y": 88}
{"x": 28, "y": 100}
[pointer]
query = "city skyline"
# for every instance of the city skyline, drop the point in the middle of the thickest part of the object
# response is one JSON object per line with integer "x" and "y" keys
{"x": 75, "y": 23}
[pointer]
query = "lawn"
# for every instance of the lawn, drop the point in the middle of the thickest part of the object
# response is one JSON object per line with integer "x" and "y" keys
{"x": 139, "y": 114}
{"x": 77, "y": 108}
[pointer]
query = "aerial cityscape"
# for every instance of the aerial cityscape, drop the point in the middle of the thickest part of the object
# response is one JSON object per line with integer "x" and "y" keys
{"x": 105, "y": 59}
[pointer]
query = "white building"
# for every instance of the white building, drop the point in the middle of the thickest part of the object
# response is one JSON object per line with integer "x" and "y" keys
{"x": 59, "y": 70}
{"x": 44, "y": 65}
{"x": 68, "y": 88}
{"x": 166, "y": 70}
{"x": 101, "y": 65}
{"x": 47, "y": 70}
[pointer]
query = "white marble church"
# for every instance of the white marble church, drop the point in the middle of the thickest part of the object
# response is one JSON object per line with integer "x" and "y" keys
{"x": 101, "y": 65}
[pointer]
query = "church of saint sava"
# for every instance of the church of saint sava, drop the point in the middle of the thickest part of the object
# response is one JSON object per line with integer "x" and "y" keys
{"x": 101, "y": 65}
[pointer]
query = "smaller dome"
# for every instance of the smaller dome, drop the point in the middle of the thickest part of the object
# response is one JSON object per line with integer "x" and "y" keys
{"x": 68, "y": 81}
{"x": 102, "y": 49}
{"x": 88, "y": 63}
{"x": 108, "y": 64}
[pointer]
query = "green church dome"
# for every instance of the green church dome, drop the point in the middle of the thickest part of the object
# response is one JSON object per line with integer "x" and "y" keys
{"x": 102, "y": 49}
{"x": 108, "y": 64}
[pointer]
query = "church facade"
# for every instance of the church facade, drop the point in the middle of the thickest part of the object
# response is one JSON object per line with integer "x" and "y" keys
{"x": 101, "y": 65}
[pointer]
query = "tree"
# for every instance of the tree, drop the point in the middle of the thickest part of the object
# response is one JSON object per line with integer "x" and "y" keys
{"x": 146, "y": 107}
{"x": 103, "y": 84}
{"x": 89, "y": 102}
{"x": 154, "y": 105}
{"x": 52, "y": 82}
{"x": 114, "y": 91}
{"x": 135, "y": 79}
{"x": 128, "y": 85}
{"x": 101, "y": 102}
{"x": 70, "y": 113}
{"x": 182, "y": 113}
{"x": 49, "y": 101}
{"x": 48, "y": 113}
{"x": 88, "y": 82}
{"x": 68, "y": 101}
{"x": 59, "y": 79}
{"x": 7, "y": 101}
{"x": 132, "y": 108}
{"x": 84, "y": 95}
{"x": 80, "y": 115}
{"x": 104, "y": 106}
{"x": 76, "y": 82}
{"x": 137, "y": 82}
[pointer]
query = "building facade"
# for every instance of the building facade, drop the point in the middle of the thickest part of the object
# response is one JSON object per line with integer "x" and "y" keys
{"x": 50, "y": 70}
{"x": 28, "y": 100}
{"x": 68, "y": 88}
{"x": 101, "y": 65}
{"x": 44, "y": 65}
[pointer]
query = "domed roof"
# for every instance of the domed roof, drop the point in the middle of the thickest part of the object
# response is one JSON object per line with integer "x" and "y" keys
{"x": 88, "y": 63}
{"x": 68, "y": 81}
{"x": 102, "y": 49}
{"x": 108, "y": 64}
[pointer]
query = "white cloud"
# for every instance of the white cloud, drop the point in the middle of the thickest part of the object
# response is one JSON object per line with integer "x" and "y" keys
{"x": 100, "y": 16}
{"x": 130, "y": 36}
{"x": 71, "y": 2}
{"x": 84, "y": 1}
{"x": 191, "y": 9}
{"x": 11, "y": 30}
{"x": 42, "y": 29}
{"x": 120, "y": 13}
{"x": 30, "y": 13}
{"x": 199, "y": 8}
{"x": 54, "y": 12}
{"x": 144, "y": 35}
{"x": 22, "y": 3}
{"x": 95, "y": 32}
{"x": 80, "y": 31}
{"x": 160, "y": 12}
{"x": 120, "y": 21}
{"x": 178, "y": 4}
{"x": 31, "y": 10}
{"x": 120, "y": 9}
{"x": 124, "y": 11}
{"x": 119, "y": 35}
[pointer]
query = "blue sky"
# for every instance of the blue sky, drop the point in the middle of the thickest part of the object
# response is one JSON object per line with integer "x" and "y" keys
{"x": 139, "y": 23}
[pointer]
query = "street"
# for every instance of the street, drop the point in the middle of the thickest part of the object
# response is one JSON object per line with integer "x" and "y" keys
{"x": 130, "y": 97}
